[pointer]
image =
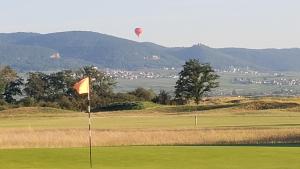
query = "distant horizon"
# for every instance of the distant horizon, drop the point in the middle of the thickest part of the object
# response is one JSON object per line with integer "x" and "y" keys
{"x": 199, "y": 43}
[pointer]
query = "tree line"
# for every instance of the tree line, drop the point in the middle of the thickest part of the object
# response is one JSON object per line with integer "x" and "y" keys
{"x": 56, "y": 89}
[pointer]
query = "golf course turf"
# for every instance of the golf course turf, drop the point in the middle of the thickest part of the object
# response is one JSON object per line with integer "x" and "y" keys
{"x": 155, "y": 157}
{"x": 53, "y": 133}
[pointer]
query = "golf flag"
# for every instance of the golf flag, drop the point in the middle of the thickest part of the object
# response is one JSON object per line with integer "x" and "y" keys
{"x": 82, "y": 87}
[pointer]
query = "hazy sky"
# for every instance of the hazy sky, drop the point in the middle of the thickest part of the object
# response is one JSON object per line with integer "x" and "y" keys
{"x": 217, "y": 23}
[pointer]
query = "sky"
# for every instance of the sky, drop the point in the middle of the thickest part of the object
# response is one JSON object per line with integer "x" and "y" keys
{"x": 173, "y": 23}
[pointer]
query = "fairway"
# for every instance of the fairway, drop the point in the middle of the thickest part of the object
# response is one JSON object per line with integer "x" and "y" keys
{"x": 164, "y": 117}
{"x": 155, "y": 157}
{"x": 218, "y": 122}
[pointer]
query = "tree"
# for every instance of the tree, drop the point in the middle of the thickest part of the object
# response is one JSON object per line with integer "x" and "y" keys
{"x": 58, "y": 87}
{"x": 36, "y": 86}
{"x": 50, "y": 87}
{"x": 195, "y": 81}
{"x": 2, "y": 86}
{"x": 7, "y": 75}
{"x": 60, "y": 84}
{"x": 102, "y": 85}
{"x": 13, "y": 88}
{"x": 10, "y": 84}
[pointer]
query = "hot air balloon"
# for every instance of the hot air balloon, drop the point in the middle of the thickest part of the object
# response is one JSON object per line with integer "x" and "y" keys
{"x": 138, "y": 31}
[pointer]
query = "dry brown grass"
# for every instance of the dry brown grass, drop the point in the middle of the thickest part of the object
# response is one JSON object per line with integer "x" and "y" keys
{"x": 263, "y": 105}
{"x": 37, "y": 138}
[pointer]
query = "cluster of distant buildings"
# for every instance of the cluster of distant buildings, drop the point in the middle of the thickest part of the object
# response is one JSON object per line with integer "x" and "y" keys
{"x": 278, "y": 82}
{"x": 133, "y": 75}
{"x": 173, "y": 72}
{"x": 238, "y": 70}
{"x": 244, "y": 76}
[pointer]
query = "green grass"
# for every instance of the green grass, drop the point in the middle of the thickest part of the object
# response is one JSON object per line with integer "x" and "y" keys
{"x": 127, "y": 122}
{"x": 153, "y": 157}
{"x": 160, "y": 117}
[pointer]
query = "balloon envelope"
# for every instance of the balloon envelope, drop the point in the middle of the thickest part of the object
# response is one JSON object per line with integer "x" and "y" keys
{"x": 138, "y": 31}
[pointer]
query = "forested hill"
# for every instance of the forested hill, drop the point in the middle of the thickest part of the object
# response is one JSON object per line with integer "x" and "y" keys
{"x": 34, "y": 51}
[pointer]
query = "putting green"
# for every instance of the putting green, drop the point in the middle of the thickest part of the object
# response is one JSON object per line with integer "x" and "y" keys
{"x": 154, "y": 157}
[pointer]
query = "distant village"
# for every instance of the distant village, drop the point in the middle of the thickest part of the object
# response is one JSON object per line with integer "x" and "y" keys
{"x": 285, "y": 84}
{"x": 278, "y": 82}
{"x": 172, "y": 72}
{"x": 134, "y": 75}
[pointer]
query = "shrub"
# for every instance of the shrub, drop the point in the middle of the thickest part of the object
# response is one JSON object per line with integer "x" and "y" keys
{"x": 120, "y": 106}
{"x": 2, "y": 102}
{"x": 163, "y": 97}
{"x": 261, "y": 105}
{"x": 143, "y": 94}
{"x": 2, "y": 108}
{"x": 179, "y": 102}
{"x": 27, "y": 102}
{"x": 65, "y": 103}
{"x": 124, "y": 97}
{"x": 49, "y": 104}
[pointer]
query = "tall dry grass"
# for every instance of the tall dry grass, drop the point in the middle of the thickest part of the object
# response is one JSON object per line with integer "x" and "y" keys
{"x": 49, "y": 138}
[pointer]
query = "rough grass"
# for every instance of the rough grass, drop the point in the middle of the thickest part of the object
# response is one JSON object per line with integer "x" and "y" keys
{"x": 36, "y": 138}
{"x": 154, "y": 157}
{"x": 263, "y": 105}
{"x": 35, "y": 112}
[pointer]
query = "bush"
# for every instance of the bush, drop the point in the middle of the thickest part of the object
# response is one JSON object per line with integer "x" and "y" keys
{"x": 124, "y": 97}
{"x": 261, "y": 105}
{"x": 143, "y": 94}
{"x": 2, "y": 108}
{"x": 120, "y": 106}
{"x": 49, "y": 104}
{"x": 179, "y": 102}
{"x": 27, "y": 102}
{"x": 163, "y": 97}
{"x": 2, "y": 102}
{"x": 65, "y": 103}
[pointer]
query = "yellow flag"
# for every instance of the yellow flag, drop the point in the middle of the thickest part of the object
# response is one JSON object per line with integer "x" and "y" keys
{"x": 83, "y": 86}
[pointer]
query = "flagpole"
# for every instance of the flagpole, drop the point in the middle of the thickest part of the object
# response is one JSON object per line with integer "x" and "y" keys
{"x": 90, "y": 131}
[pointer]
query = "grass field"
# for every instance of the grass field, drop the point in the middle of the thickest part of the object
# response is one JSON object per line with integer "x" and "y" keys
{"x": 220, "y": 121}
{"x": 213, "y": 115}
{"x": 158, "y": 137}
{"x": 153, "y": 157}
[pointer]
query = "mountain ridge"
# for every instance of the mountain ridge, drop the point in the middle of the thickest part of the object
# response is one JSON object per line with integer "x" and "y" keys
{"x": 32, "y": 51}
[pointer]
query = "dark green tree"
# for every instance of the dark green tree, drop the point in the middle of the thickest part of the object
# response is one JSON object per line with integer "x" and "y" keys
{"x": 58, "y": 88}
{"x": 60, "y": 84}
{"x": 2, "y": 86}
{"x": 36, "y": 86}
{"x": 13, "y": 88}
{"x": 7, "y": 75}
{"x": 195, "y": 81}
{"x": 102, "y": 85}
